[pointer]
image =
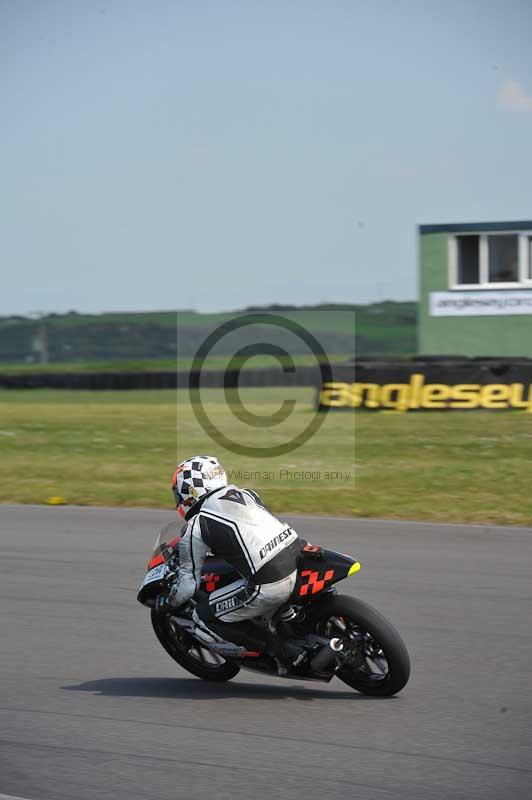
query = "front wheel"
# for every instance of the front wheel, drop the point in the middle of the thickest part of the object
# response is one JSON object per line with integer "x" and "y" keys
{"x": 189, "y": 653}
{"x": 376, "y": 659}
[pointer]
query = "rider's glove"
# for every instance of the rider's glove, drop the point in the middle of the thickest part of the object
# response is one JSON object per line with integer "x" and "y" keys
{"x": 162, "y": 606}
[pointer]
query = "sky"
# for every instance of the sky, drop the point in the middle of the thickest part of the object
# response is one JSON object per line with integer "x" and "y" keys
{"x": 215, "y": 155}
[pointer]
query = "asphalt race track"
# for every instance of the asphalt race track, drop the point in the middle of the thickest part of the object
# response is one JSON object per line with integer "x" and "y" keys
{"x": 92, "y": 707}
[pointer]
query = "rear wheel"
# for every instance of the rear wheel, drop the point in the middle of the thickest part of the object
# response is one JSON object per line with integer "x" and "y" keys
{"x": 376, "y": 659}
{"x": 189, "y": 653}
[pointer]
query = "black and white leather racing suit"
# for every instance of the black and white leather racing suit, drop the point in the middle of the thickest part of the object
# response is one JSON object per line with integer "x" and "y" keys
{"x": 233, "y": 525}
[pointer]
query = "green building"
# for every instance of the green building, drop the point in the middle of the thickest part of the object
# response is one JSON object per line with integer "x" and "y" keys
{"x": 475, "y": 289}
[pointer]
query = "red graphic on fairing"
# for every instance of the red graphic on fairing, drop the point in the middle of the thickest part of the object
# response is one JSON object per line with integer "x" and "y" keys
{"x": 211, "y": 580}
{"x": 314, "y": 583}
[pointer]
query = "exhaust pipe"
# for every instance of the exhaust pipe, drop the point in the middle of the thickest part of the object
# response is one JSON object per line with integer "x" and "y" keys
{"x": 326, "y": 655}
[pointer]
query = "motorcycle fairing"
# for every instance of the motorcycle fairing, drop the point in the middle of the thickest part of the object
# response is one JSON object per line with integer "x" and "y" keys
{"x": 163, "y": 551}
{"x": 215, "y": 574}
{"x": 318, "y": 570}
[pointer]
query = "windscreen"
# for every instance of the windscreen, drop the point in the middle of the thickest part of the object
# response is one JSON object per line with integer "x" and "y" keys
{"x": 165, "y": 542}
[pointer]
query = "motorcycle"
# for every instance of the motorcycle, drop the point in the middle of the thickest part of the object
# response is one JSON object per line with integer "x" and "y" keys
{"x": 342, "y": 636}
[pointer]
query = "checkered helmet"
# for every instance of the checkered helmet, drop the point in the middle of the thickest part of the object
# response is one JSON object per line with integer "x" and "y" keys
{"x": 194, "y": 478}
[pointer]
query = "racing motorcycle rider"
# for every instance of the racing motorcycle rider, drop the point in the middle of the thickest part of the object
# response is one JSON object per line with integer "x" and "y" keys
{"x": 233, "y": 525}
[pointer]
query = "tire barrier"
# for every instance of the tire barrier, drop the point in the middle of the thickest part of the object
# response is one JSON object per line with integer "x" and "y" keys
{"x": 430, "y": 384}
{"x": 422, "y": 383}
{"x": 125, "y": 381}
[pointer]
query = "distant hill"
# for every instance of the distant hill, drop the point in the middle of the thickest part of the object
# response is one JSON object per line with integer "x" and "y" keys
{"x": 387, "y": 328}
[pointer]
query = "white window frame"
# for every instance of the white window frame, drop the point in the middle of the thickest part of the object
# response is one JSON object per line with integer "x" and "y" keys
{"x": 527, "y": 258}
{"x": 524, "y": 253}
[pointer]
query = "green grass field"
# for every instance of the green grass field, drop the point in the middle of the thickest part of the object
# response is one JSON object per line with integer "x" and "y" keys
{"x": 113, "y": 448}
{"x": 164, "y": 364}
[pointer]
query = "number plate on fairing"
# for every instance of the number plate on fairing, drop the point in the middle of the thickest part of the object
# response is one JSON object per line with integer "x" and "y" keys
{"x": 155, "y": 574}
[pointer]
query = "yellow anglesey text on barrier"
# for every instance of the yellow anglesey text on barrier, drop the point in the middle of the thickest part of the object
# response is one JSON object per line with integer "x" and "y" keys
{"x": 416, "y": 394}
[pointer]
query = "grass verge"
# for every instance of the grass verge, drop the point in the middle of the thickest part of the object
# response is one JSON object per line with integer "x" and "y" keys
{"x": 120, "y": 448}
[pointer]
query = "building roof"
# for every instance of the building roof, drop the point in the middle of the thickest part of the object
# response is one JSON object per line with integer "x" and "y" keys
{"x": 476, "y": 227}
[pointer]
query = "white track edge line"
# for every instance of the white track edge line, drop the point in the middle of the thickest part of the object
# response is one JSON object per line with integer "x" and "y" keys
{"x": 11, "y": 797}
{"x": 372, "y": 520}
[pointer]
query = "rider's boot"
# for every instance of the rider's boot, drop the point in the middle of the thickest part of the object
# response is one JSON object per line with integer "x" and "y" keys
{"x": 287, "y": 654}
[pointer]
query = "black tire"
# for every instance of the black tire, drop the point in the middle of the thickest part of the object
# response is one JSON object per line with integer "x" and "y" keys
{"x": 381, "y": 632}
{"x": 179, "y": 649}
